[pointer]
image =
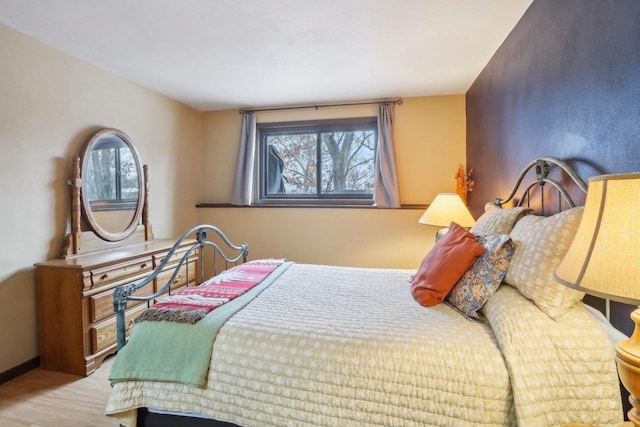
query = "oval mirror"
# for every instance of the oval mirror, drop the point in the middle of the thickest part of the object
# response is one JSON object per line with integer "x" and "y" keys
{"x": 112, "y": 185}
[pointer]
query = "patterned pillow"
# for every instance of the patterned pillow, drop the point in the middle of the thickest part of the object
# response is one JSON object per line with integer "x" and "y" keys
{"x": 540, "y": 245}
{"x": 498, "y": 221}
{"x": 481, "y": 280}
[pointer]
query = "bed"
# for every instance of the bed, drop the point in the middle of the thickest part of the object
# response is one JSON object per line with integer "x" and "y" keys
{"x": 313, "y": 345}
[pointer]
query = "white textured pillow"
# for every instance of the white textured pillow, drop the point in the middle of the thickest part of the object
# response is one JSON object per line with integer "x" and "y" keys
{"x": 498, "y": 220}
{"x": 540, "y": 245}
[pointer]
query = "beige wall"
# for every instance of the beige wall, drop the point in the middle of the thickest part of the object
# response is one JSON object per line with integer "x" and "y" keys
{"x": 343, "y": 236}
{"x": 429, "y": 137}
{"x": 50, "y": 104}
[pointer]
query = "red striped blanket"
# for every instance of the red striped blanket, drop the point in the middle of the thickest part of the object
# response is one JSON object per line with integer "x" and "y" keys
{"x": 189, "y": 305}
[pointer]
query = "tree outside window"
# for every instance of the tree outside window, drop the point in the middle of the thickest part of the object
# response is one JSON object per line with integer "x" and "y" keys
{"x": 319, "y": 161}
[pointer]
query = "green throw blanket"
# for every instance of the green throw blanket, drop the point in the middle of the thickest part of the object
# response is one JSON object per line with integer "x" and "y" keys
{"x": 179, "y": 352}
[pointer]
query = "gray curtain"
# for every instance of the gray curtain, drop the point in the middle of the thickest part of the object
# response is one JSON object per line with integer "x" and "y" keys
{"x": 243, "y": 182}
{"x": 386, "y": 193}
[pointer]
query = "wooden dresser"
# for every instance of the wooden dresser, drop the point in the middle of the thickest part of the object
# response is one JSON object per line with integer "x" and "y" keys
{"x": 77, "y": 326}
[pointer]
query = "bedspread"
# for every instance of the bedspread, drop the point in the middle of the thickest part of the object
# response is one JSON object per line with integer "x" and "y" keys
{"x": 179, "y": 352}
{"x": 560, "y": 371}
{"x": 329, "y": 346}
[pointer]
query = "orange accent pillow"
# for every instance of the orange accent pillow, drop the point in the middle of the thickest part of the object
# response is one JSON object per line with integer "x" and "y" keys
{"x": 443, "y": 266}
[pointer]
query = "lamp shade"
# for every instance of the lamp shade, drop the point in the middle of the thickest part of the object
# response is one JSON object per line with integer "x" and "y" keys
{"x": 604, "y": 258}
{"x": 447, "y": 207}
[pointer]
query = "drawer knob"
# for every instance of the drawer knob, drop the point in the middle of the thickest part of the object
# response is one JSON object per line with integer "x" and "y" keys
{"x": 179, "y": 278}
{"x": 104, "y": 276}
{"x": 143, "y": 265}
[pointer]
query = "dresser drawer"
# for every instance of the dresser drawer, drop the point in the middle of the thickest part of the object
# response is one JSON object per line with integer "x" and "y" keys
{"x": 104, "y": 334}
{"x": 101, "y": 305}
{"x": 177, "y": 255}
{"x": 180, "y": 279}
{"x": 105, "y": 275}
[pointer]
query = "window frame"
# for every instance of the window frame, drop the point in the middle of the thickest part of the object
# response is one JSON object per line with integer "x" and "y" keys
{"x": 118, "y": 203}
{"x": 317, "y": 126}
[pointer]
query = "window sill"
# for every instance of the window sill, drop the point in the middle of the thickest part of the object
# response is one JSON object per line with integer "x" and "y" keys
{"x": 292, "y": 205}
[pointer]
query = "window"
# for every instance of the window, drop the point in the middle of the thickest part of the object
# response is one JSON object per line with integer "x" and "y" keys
{"x": 112, "y": 176}
{"x": 330, "y": 161}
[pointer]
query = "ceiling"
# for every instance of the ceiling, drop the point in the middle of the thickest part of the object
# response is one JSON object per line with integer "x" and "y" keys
{"x": 222, "y": 54}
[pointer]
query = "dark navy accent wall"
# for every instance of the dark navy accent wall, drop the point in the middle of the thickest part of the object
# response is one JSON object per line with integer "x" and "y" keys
{"x": 565, "y": 83}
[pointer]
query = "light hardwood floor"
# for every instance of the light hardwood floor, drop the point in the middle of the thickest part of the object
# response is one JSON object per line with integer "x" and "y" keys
{"x": 42, "y": 398}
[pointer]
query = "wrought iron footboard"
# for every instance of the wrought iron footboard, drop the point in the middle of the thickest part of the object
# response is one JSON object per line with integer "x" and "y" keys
{"x": 126, "y": 293}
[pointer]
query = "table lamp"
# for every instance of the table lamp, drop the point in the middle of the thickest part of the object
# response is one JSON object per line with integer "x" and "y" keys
{"x": 604, "y": 260}
{"x": 447, "y": 207}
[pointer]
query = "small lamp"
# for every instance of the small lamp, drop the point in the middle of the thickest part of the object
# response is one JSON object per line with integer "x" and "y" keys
{"x": 447, "y": 207}
{"x": 604, "y": 260}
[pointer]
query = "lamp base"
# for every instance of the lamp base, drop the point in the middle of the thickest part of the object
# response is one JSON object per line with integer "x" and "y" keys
{"x": 440, "y": 233}
{"x": 628, "y": 360}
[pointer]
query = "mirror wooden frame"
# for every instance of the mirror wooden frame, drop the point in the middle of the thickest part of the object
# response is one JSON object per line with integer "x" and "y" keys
{"x": 89, "y": 212}
{"x": 139, "y": 230}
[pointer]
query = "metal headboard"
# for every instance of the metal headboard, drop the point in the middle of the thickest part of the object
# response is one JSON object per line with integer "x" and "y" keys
{"x": 542, "y": 178}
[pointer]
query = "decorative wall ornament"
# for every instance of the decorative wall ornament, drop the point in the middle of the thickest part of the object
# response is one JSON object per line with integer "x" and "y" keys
{"x": 464, "y": 183}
